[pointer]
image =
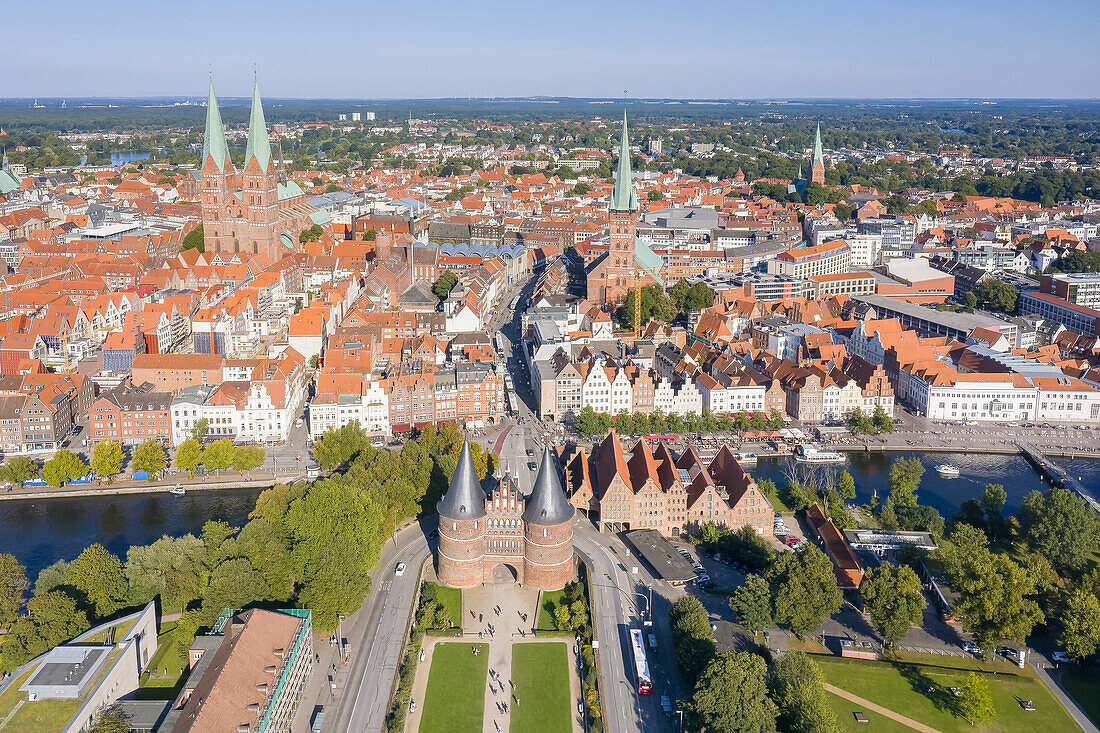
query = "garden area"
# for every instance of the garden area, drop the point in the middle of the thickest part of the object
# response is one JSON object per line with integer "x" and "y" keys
{"x": 922, "y": 692}
{"x": 161, "y": 679}
{"x": 455, "y": 699}
{"x": 541, "y": 676}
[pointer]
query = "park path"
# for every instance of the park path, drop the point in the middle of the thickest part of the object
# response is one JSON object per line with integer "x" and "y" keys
{"x": 880, "y": 710}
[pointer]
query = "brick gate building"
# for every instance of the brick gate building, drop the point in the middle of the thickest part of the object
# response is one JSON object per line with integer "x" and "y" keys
{"x": 531, "y": 536}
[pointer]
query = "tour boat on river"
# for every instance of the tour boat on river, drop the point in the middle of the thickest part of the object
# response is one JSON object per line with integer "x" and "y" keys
{"x": 809, "y": 453}
{"x": 947, "y": 470}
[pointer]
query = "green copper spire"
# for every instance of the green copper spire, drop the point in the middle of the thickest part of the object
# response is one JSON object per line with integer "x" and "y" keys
{"x": 624, "y": 197}
{"x": 817, "y": 148}
{"x": 213, "y": 143}
{"x": 259, "y": 145}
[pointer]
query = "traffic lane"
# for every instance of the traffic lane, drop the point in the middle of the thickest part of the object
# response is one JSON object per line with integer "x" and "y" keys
{"x": 390, "y": 599}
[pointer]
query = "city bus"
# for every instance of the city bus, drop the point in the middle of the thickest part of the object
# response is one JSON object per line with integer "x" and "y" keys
{"x": 641, "y": 666}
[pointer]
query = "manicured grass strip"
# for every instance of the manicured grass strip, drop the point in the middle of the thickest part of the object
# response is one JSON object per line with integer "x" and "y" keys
{"x": 451, "y": 598}
{"x": 901, "y": 687}
{"x": 1084, "y": 686}
{"x": 13, "y": 695}
{"x": 875, "y": 723}
{"x": 550, "y": 599}
{"x": 455, "y": 701}
{"x": 541, "y": 675}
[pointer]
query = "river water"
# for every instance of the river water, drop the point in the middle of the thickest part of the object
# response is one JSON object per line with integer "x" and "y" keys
{"x": 41, "y": 532}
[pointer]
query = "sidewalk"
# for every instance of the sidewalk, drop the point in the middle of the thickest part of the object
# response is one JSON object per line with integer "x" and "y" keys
{"x": 1054, "y": 684}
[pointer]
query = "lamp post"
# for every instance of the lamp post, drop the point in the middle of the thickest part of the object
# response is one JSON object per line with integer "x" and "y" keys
{"x": 395, "y": 527}
{"x": 681, "y": 714}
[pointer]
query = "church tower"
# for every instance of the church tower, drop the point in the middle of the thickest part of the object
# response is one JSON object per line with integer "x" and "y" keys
{"x": 217, "y": 167}
{"x": 817, "y": 171}
{"x": 461, "y": 554}
{"x": 259, "y": 184}
{"x": 623, "y": 226}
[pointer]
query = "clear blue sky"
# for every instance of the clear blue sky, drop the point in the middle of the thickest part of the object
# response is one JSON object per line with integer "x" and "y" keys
{"x": 590, "y": 48}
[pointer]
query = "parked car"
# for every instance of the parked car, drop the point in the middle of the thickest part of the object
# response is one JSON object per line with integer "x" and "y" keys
{"x": 791, "y": 540}
{"x": 299, "y": 423}
{"x": 972, "y": 648}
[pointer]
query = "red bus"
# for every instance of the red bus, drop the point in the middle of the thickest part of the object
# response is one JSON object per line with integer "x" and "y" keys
{"x": 641, "y": 666}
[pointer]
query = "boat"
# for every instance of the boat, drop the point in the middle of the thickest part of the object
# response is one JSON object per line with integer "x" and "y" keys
{"x": 946, "y": 469}
{"x": 177, "y": 490}
{"x": 745, "y": 457}
{"x": 809, "y": 453}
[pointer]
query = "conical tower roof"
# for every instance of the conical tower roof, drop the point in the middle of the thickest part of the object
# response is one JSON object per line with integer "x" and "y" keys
{"x": 259, "y": 144}
{"x": 213, "y": 142}
{"x": 465, "y": 499}
{"x": 546, "y": 504}
{"x": 818, "y": 158}
{"x": 624, "y": 197}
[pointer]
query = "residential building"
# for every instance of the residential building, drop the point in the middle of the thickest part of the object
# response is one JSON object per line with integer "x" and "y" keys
{"x": 131, "y": 415}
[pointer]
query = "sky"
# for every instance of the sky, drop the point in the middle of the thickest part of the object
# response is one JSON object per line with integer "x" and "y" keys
{"x": 596, "y": 48}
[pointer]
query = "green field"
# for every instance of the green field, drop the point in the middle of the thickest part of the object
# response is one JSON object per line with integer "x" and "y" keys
{"x": 452, "y": 599}
{"x": 165, "y": 669}
{"x": 456, "y": 689}
{"x": 1084, "y": 686}
{"x": 875, "y": 723}
{"x": 901, "y": 687}
{"x": 550, "y": 599}
{"x": 541, "y": 675}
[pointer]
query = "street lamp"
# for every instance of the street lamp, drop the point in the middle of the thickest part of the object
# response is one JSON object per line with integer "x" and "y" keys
{"x": 681, "y": 714}
{"x": 395, "y": 527}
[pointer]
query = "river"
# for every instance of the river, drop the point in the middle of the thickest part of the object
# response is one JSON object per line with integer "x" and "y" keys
{"x": 130, "y": 157}
{"x": 41, "y": 532}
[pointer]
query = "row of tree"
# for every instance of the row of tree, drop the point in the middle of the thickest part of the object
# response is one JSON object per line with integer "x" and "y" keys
{"x": 591, "y": 423}
{"x": 877, "y": 422}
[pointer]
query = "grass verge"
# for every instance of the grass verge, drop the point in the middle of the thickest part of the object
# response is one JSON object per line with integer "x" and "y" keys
{"x": 541, "y": 675}
{"x": 550, "y": 599}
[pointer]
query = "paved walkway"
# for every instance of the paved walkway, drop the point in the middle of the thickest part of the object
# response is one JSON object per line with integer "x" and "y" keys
{"x": 1054, "y": 684}
{"x": 879, "y": 709}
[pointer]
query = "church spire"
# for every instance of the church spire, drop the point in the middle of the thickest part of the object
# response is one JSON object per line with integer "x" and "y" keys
{"x": 213, "y": 142}
{"x": 259, "y": 144}
{"x": 817, "y": 148}
{"x": 624, "y": 197}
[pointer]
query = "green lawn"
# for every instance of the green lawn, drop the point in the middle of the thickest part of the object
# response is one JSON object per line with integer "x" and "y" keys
{"x": 776, "y": 502}
{"x": 900, "y": 686}
{"x": 1084, "y": 686}
{"x": 550, "y": 599}
{"x": 875, "y": 723}
{"x": 452, "y": 599}
{"x": 42, "y": 715}
{"x": 455, "y": 700}
{"x": 165, "y": 668}
{"x": 12, "y": 695}
{"x": 541, "y": 675}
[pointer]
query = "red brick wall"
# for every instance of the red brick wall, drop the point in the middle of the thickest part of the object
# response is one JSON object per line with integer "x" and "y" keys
{"x": 461, "y": 552}
{"x": 548, "y": 560}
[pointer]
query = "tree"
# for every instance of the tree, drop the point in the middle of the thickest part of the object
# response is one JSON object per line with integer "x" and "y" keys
{"x": 752, "y": 602}
{"x": 843, "y": 212}
{"x": 993, "y": 500}
{"x": 248, "y": 457}
{"x": 860, "y": 422}
{"x": 997, "y": 295}
{"x": 312, "y": 234}
{"x": 52, "y": 618}
{"x": 970, "y": 301}
{"x": 189, "y": 456}
{"x": 655, "y": 305}
{"x": 691, "y": 636}
{"x": 846, "y": 485}
{"x": 798, "y": 688}
{"x": 894, "y": 600}
{"x": 218, "y": 456}
{"x": 64, "y": 466}
{"x": 13, "y": 584}
{"x": 107, "y": 459}
{"x": 337, "y": 447}
{"x": 905, "y": 476}
{"x": 995, "y": 594}
{"x": 52, "y": 577}
{"x": 172, "y": 567}
{"x": 371, "y": 235}
{"x": 233, "y": 584}
{"x": 581, "y": 189}
{"x": 1061, "y": 527}
{"x": 444, "y": 285}
{"x": 150, "y": 457}
{"x": 200, "y": 429}
{"x": 111, "y": 720}
{"x": 1080, "y": 625}
{"x": 731, "y": 695}
{"x": 976, "y": 702}
{"x": 804, "y": 588}
{"x": 18, "y": 470}
{"x": 98, "y": 575}
{"x": 194, "y": 240}
{"x": 882, "y": 422}
{"x": 655, "y": 195}
{"x": 587, "y": 422}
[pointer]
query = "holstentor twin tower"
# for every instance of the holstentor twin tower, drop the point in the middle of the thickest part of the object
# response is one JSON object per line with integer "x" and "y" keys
{"x": 478, "y": 531}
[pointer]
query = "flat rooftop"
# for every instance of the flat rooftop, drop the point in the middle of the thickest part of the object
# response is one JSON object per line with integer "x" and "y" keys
{"x": 66, "y": 671}
{"x": 661, "y": 556}
{"x": 965, "y": 322}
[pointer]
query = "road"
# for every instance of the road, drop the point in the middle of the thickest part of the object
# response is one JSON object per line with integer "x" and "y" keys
{"x": 376, "y": 636}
